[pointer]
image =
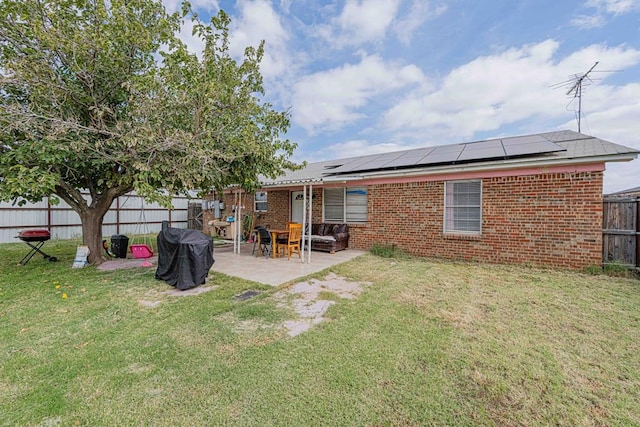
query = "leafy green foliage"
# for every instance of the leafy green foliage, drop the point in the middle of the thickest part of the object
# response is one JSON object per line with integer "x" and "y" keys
{"x": 387, "y": 251}
{"x": 102, "y": 96}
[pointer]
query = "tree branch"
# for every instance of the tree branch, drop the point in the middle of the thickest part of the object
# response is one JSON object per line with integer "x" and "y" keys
{"x": 72, "y": 196}
{"x": 71, "y": 125}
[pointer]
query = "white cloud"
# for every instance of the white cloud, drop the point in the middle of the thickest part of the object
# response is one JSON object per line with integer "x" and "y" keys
{"x": 611, "y": 113}
{"x": 603, "y": 8}
{"x": 418, "y": 13}
{"x": 621, "y": 176}
{"x": 333, "y": 98}
{"x": 503, "y": 89}
{"x": 194, "y": 43}
{"x": 588, "y": 21}
{"x": 367, "y": 20}
{"x": 360, "y": 147}
{"x": 614, "y": 7}
{"x": 202, "y": 5}
{"x": 258, "y": 21}
{"x": 362, "y": 21}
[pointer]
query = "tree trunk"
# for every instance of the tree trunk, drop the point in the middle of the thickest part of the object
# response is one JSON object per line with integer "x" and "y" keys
{"x": 92, "y": 234}
{"x": 91, "y": 215}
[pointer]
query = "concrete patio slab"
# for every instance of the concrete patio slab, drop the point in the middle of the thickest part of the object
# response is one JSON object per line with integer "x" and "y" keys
{"x": 276, "y": 271}
{"x": 266, "y": 270}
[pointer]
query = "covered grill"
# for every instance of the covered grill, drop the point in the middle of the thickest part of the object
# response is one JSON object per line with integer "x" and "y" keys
{"x": 184, "y": 257}
{"x": 35, "y": 238}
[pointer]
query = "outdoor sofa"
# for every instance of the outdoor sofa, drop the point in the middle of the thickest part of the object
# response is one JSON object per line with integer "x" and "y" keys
{"x": 329, "y": 237}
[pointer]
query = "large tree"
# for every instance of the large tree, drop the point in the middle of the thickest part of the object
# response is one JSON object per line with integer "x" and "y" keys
{"x": 100, "y": 97}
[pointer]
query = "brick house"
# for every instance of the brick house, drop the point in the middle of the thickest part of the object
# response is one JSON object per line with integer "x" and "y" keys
{"x": 534, "y": 199}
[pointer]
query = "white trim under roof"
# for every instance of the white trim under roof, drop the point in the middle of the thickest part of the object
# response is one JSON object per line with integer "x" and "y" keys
{"x": 577, "y": 149}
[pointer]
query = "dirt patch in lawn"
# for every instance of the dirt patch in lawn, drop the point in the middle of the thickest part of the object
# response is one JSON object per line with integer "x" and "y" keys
{"x": 126, "y": 263}
{"x": 311, "y": 300}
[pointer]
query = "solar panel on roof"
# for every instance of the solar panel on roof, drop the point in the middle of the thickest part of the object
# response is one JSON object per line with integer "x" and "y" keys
{"x": 448, "y": 148}
{"x": 494, "y": 152}
{"x": 442, "y": 157}
{"x": 443, "y": 154}
{"x": 405, "y": 160}
{"x": 523, "y": 146}
{"x": 527, "y": 139}
{"x": 418, "y": 152}
{"x": 377, "y": 163}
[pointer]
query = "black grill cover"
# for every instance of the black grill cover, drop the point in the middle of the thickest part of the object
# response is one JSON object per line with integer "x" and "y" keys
{"x": 184, "y": 257}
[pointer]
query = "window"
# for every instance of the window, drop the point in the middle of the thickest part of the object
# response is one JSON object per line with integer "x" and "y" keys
{"x": 260, "y": 201}
{"x": 345, "y": 204}
{"x": 463, "y": 207}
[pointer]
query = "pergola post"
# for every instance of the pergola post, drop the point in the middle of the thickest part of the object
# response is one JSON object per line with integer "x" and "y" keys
{"x": 310, "y": 210}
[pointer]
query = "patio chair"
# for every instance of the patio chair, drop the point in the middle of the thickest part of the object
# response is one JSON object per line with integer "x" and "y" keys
{"x": 264, "y": 241}
{"x": 283, "y": 239}
{"x": 292, "y": 245}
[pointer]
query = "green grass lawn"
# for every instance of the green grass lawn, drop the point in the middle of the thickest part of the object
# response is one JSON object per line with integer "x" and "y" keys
{"x": 428, "y": 343}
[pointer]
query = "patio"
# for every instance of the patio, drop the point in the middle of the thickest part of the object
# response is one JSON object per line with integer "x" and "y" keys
{"x": 274, "y": 271}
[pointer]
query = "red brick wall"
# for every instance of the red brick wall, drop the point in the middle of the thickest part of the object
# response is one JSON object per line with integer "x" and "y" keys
{"x": 278, "y": 208}
{"x": 277, "y": 213}
{"x": 552, "y": 219}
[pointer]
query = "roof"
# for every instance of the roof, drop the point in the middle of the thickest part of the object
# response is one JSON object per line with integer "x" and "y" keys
{"x": 635, "y": 190}
{"x": 543, "y": 149}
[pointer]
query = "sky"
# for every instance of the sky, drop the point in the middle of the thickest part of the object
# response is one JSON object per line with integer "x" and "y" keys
{"x": 368, "y": 76}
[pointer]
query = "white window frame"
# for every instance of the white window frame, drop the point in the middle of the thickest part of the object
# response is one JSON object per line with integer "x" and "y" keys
{"x": 457, "y": 218}
{"x": 350, "y": 206}
{"x": 258, "y": 204}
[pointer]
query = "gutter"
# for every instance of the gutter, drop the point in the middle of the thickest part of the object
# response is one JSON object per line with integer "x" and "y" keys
{"x": 447, "y": 169}
{"x": 484, "y": 167}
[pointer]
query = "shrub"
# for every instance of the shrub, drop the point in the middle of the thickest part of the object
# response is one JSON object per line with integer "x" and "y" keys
{"x": 387, "y": 251}
{"x": 617, "y": 269}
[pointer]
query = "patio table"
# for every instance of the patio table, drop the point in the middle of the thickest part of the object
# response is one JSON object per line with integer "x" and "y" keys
{"x": 274, "y": 240}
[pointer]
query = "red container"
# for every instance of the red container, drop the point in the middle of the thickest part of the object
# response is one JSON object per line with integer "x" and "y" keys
{"x": 141, "y": 251}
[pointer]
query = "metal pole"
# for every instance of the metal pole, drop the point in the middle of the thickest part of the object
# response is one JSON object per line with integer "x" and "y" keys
{"x": 579, "y": 104}
{"x": 235, "y": 217}
{"x": 304, "y": 216}
{"x": 310, "y": 222}
{"x": 236, "y": 224}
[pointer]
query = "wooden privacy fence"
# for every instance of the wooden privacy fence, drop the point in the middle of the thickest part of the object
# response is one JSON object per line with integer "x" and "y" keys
{"x": 621, "y": 231}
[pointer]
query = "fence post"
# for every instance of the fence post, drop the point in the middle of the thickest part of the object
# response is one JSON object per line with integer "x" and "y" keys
{"x": 637, "y": 232}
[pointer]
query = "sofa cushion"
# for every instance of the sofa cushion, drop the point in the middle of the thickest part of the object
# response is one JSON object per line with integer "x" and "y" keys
{"x": 340, "y": 228}
{"x": 341, "y": 236}
{"x": 317, "y": 229}
{"x": 327, "y": 239}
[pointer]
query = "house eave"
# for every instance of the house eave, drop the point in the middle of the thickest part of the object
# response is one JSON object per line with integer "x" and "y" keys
{"x": 494, "y": 166}
{"x": 452, "y": 170}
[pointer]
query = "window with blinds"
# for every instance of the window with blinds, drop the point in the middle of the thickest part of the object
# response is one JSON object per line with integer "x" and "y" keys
{"x": 463, "y": 207}
{"x": 345, "y": 204}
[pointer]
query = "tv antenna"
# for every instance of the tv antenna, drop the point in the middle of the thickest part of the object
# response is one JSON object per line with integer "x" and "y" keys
{"x": 575, "y": 89}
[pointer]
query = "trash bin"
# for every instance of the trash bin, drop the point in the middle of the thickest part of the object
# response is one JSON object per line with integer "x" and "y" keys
{"x": 119, "y": 245}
